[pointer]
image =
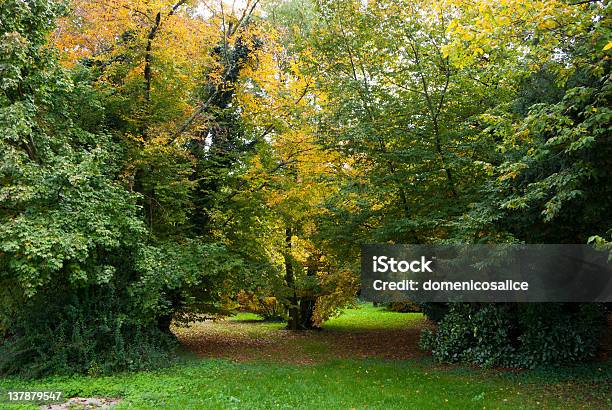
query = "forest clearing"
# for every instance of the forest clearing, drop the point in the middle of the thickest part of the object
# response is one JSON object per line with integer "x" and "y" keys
{"x": 190, "y": 191}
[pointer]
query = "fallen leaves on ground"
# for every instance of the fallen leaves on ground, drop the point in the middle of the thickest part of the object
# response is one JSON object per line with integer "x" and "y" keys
{"x": 252, "y": 340}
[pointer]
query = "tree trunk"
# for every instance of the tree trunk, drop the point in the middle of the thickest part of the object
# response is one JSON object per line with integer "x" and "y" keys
{"x": 307, "y": 305}
{"x": 294, "y": 312}
{"x": 164, "y": 322}
{"x": 307, "y": 302}
{"x": 148, "y": 57}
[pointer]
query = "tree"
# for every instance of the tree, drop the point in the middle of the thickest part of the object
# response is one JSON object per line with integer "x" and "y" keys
{"x": 67, "y": 226}
{"x": 90, "y": 282}
{"x": 403, "y": 119}
{"x": 548, "y": 186}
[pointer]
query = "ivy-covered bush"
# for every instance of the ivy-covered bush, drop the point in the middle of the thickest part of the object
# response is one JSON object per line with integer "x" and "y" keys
{"x": 516, "y": 335}
{"x": 91, "y": 331}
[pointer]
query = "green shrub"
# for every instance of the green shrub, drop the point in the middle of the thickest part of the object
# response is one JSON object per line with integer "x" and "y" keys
{"x": 434, "y": 311}
{"x": 519, "y": 335}
{"x": 554, "y": 333}
{"x": 89, "y": 331}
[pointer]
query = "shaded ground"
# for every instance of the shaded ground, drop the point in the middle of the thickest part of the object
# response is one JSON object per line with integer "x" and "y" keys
{"x": 363, "y": 333}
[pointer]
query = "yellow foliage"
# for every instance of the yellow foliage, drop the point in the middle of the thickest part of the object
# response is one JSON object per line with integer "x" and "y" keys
{"x": 487, "y": 27}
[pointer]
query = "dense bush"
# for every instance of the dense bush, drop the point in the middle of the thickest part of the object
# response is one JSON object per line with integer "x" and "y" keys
{"x": 91, "y": 331}
{"x": 519, "y": 335}
{"x": 434, "y": 311}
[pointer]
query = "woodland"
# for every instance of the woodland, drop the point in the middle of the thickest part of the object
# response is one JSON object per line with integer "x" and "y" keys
{"x": 163, "y": 162}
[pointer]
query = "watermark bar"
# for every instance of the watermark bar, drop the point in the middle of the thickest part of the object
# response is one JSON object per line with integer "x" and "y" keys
{"x": 485, "y": 273}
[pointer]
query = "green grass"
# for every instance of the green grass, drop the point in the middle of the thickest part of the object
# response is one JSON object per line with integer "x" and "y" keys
{"x": 364, "y": 317}
{"x": 245, "y": 317}
{"x": 369, "y": 317}
{"x": 210, "y": 383}
{"x": 343, "y": 384}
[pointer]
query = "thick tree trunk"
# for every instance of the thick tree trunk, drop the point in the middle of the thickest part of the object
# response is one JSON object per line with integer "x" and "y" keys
{"x": 164, "y": 322}
{"x": 294, "y": 313}
{"x": 307, "y": 303}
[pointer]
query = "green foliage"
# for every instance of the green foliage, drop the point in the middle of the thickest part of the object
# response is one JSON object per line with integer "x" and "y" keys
{"x": 472, "y": 334}
{"x": 548, "y": 184}
{"x": 162, "y": 176}
{"x": 559, "y": 176}
{"x": 434, "y": 311}
{"x": 554, "y": 333}
{"x": 527, "y": 335}
{"x": 91, "y": 330}
{"x": 66, "y": 225}
{"x": 186, "y": 278}
{"x": 82, "y": 287}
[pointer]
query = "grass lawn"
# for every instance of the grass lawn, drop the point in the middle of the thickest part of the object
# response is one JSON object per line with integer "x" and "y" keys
{"x": 266, "y": 367}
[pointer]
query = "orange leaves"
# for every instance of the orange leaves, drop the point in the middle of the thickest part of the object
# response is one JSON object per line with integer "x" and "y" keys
{"x": 92, "y": 28}
{"x": 112, "y": 29}
{"x": 153, "y": 51}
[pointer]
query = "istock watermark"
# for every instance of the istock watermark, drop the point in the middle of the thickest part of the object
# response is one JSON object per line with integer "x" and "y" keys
{"x": 385, "y": 264}
{"x": 486, "y": 273}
